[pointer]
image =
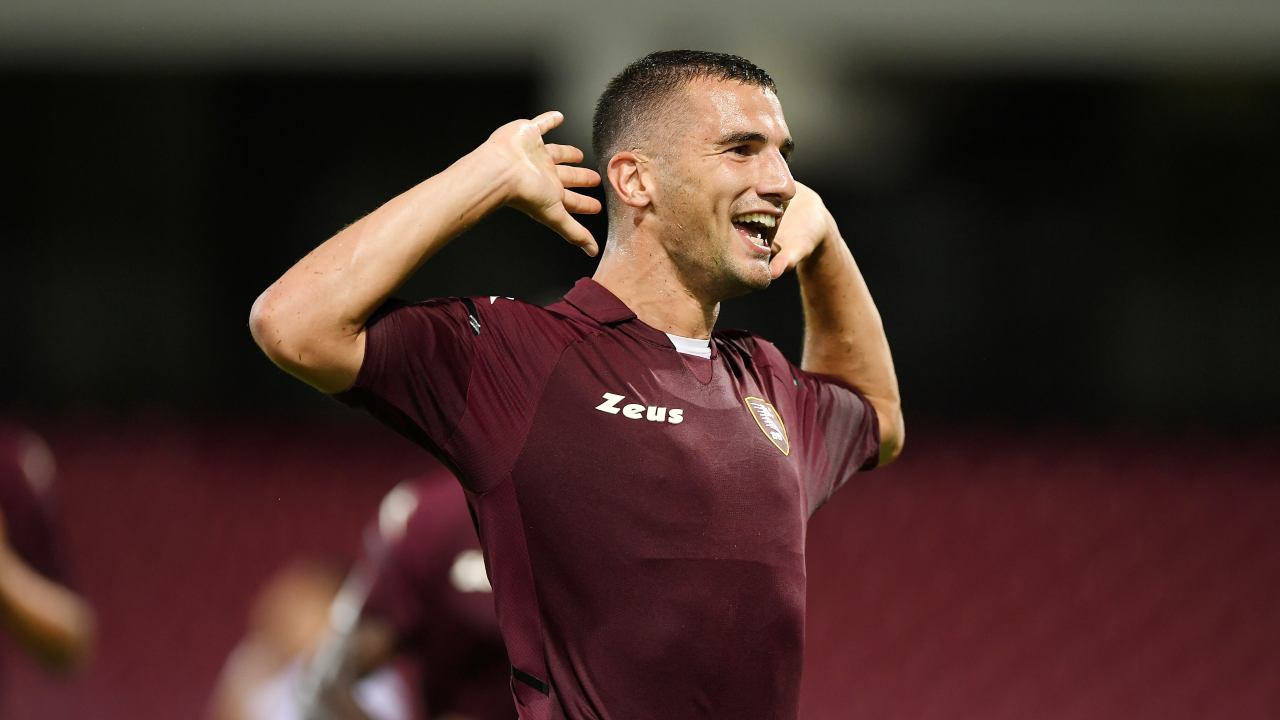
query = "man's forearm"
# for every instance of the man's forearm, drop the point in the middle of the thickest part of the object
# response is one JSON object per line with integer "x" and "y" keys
{"x": 844, "y": 336}
{"x": 48, "y": 619}
{"x": 343, "y": 658}
{"x": 313, "y": 316}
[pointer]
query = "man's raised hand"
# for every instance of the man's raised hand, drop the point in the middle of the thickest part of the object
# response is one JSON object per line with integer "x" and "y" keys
{"x": 805, "y": 227}
{"x": 539, "y": 178}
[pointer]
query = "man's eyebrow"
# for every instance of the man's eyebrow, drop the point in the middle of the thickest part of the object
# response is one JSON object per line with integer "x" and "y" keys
{"x": 750, "y": 136}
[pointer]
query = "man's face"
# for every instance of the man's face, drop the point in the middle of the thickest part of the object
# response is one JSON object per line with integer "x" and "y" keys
{"x": 723, "y": 184}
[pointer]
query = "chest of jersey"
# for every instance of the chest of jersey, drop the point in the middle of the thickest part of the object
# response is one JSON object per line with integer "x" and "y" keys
{"x": 632, "y": 447}
{"x": 656, "y": 518}
{"x": 656, "y": 509}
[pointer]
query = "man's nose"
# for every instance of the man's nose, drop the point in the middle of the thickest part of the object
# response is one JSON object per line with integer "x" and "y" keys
{"x": 775, "y": 178}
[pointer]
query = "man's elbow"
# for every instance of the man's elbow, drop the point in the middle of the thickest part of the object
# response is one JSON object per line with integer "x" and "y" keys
{"x": 267, "y": 330}
{"x": 893, "y": 433}
{"x": 328, "y": 361}
{"x": 275, "y": 336}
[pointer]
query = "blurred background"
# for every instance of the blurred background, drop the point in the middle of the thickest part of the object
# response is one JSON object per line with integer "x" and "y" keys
{"x": 1066, "y": 212}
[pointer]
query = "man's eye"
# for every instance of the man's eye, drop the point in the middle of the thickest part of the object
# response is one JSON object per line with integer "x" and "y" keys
{"x": 741, "y": 150}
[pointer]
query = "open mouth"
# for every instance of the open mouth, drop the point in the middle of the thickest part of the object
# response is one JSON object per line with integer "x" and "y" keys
{"x": 757, "y": 228}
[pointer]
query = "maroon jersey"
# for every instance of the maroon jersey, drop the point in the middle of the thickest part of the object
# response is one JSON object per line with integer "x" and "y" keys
{"x": 431, "y": 587}
{"x": 26, "y": 502}
{"x": 642, "y": 511}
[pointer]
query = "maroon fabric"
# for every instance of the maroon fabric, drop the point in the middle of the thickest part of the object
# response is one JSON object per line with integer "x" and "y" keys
{"x": 643, "y": 523}
{"x": 450, "y": 630}
{"x": 987, "y": 575}
{"x": 172, "y": 528}
{"x": 29, "y": 527}
{"x": 28, "y": 510}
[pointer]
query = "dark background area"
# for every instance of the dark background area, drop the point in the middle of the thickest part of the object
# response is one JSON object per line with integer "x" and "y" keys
{"x": 1044, "y": 247}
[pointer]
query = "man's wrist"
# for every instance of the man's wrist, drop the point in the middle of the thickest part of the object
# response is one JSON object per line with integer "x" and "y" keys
{"x": 496, "y": 170}
{"x": 821, "y": 249}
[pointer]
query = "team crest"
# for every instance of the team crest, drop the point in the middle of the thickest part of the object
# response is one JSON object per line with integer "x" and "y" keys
{"x": 770, "y": 423}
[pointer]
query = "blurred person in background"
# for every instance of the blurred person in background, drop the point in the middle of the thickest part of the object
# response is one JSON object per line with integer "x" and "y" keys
{"x": 641, "y": 485}
{"x": 422, "y": 593}
{"x": 322, "y": 648}
{"x": 289, "y": 618}
{"x": 46, "y": 618}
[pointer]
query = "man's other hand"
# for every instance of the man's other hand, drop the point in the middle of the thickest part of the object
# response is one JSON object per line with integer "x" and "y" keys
{"x": 805, "y": 226}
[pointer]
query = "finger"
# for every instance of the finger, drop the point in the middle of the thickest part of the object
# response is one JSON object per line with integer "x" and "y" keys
{"x": 564, "y": 153}
{"x": 780, "y": 263}
{"x": 548, "y": 121}
{"x": 581, "y": 204}
{"x": 559, "y": 219}
{"x": 577, "y": 176}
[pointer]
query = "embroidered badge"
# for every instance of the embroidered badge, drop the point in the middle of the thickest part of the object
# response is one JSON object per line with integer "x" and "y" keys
{"x": 770, "y": 423}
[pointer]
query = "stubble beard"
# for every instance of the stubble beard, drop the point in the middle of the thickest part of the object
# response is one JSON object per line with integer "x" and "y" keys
{"x": 709, "y": 258}
{"x": 716, "y": 274}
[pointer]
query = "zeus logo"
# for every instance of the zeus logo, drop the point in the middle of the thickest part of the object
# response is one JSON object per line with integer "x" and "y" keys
{"x": 674, "y": 416}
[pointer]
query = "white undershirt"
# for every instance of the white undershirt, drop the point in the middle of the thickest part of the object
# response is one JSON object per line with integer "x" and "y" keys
{"x": 692, "y": 346}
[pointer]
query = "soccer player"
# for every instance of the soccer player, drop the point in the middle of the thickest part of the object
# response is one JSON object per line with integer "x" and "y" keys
{"x": 320, "y": 647}
{"x": 261, "y": 678}
{"x": 421, "y": 591}
{"x": 46, "y": 618}
{"x": 641, "y": 485}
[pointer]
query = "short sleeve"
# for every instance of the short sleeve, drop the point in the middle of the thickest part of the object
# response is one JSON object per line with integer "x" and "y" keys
{"x": 843, "y": 424}
{"x": 416, "y": 369}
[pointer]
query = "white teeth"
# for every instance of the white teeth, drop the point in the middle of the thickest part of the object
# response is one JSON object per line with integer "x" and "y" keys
{"x": 762, "y": 218}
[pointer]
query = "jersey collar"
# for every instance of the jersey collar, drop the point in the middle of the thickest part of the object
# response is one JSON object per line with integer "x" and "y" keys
{"x": 597, "y": 303}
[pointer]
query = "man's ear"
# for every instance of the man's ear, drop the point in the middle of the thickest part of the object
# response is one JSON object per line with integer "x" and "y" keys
{"x": 628, "y": 173}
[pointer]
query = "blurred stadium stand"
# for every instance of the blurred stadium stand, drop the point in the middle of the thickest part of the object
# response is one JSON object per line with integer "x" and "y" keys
{"x": 1094, "y": 248}
{"x": 988, "y": 576}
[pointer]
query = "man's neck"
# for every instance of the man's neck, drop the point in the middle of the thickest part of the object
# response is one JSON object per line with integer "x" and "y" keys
{"x": 648, "y": 283}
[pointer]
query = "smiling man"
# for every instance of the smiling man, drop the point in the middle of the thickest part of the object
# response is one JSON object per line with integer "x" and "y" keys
{"x": 641, "y": 484}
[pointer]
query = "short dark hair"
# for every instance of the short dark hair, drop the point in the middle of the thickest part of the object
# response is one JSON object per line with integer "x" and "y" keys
{"x": 641, "y": 90}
